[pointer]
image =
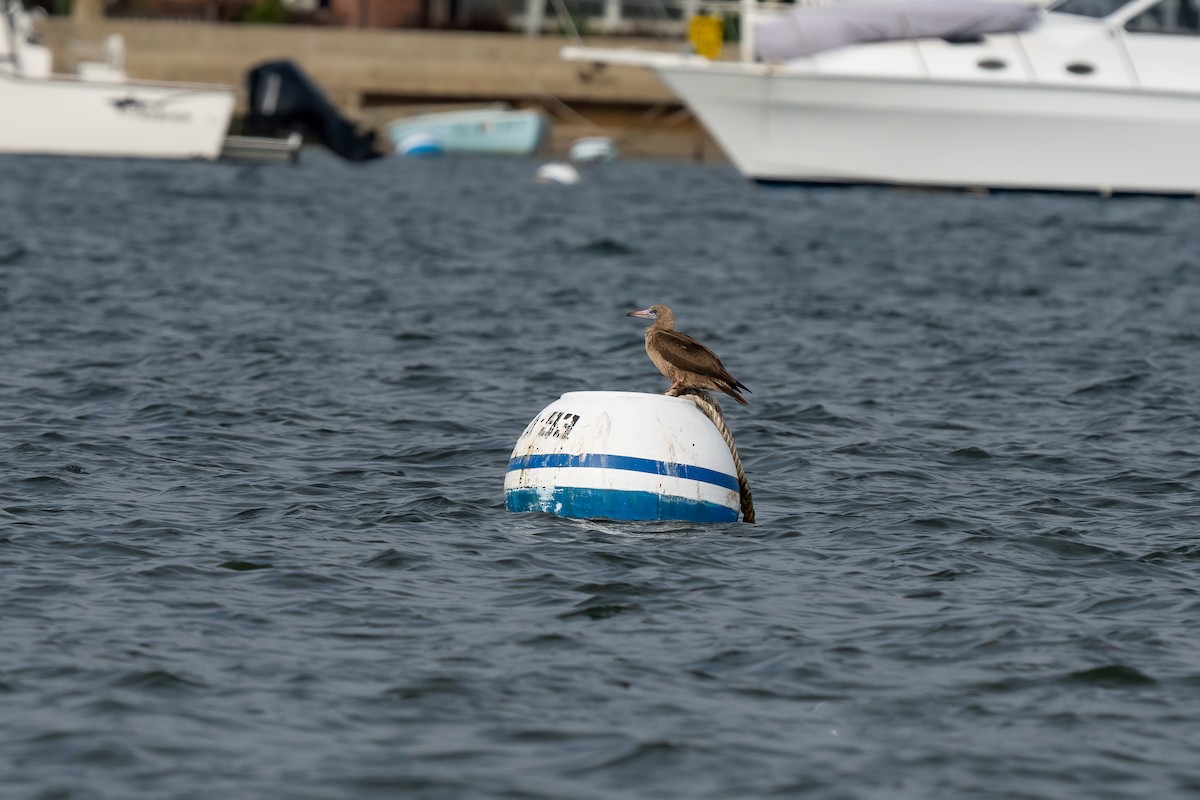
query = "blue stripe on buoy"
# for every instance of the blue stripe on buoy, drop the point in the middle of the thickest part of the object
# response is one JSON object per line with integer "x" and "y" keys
{"x": 571, "y": 501}
{"x": 603, "y": 461}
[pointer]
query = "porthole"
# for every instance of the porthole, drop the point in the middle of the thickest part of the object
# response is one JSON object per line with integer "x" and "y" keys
{"x": 992, "y": 63}
{"x": 1080, "y": 68}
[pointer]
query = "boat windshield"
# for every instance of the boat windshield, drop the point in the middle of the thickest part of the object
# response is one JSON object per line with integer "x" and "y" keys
{"x": 1169, "y": 16}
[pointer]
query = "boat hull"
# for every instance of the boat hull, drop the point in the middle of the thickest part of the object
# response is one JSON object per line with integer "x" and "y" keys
{"x": 66, "y": 116}
{"x": 818, "y": 128}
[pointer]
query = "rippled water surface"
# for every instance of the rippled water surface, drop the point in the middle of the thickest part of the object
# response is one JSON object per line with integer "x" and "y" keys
{"x": 254, "y": 424}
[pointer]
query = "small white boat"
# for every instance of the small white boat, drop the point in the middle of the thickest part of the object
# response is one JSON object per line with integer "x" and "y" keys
{"x": 879, "y": 92}
{"x": 99, "y": 112}
{"x": 476, "y": 131}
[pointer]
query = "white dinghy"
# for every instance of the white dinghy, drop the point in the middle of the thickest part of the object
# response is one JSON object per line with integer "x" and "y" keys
{"x": 99, "y": 112}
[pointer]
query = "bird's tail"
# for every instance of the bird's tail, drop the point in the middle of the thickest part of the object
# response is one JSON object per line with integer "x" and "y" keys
{"x": 732, "y": 391}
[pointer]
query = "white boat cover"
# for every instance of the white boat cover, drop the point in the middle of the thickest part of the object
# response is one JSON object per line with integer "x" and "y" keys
{"x": 814, "y": 29}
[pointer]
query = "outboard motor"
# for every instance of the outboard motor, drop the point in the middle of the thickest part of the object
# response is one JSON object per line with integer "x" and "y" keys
{"x": 283, "y": 100}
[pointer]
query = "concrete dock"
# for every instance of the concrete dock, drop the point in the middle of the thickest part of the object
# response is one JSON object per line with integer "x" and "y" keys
{"x": 378, "y": 75}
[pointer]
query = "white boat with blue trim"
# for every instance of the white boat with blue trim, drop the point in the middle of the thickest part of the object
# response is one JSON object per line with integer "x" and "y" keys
{"x": 909, "y": 92}
{"x": 488, "y": 131}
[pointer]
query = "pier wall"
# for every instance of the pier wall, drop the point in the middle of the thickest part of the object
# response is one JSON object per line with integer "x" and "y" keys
{"x": 377, "y": 75}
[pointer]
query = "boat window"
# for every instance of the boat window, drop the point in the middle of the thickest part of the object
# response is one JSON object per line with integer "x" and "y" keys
{"x": 1080, "y": 68}
{"x": 1089, "y": 8}
{"x": 1169, "y": 16}
{"x": 992, "y": 63}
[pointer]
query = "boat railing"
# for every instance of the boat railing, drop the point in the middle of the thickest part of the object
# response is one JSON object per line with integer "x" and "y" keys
{"x": 1118, "y": 36}
{"x": 13, "y": 16}
{"x": 19, "y": 41}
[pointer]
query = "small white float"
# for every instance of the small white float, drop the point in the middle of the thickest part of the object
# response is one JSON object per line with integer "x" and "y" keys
{"x": 592, "y": 149}
{"x": 557, "y": 173}
{"x": 624, "y": 455}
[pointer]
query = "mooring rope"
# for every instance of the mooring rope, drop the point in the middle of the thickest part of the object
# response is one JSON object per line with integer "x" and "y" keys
{"x": 705, "y": 402}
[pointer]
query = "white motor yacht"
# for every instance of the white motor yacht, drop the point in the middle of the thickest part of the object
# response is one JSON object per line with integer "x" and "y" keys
{"x": 976, "y": 94}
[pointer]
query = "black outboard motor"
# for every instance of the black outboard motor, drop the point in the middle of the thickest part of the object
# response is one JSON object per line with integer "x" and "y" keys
{"x": 284, "y": 100}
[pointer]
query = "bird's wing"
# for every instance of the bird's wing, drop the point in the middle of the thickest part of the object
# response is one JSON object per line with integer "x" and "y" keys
{"x": 684, "y": 352}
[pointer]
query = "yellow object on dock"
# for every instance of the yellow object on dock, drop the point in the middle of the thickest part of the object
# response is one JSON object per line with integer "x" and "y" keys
{"x": 706, "y": 33}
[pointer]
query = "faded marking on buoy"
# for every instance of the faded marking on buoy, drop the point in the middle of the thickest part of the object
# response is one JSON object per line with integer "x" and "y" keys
{"x": 603, "y": 425}
{"x": 545, "y": 496}
{"x": 558, "y": 424}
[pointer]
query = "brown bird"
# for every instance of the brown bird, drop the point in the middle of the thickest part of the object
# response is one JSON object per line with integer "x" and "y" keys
{"x": 686, "y": 362}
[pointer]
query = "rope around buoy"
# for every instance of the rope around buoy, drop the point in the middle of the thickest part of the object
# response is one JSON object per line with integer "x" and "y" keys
{"x": 705, "y": 402}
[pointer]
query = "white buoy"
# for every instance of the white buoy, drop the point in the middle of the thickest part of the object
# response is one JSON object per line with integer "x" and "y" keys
{"x": 557, "y": 172}
{"x": 623, "y": 455}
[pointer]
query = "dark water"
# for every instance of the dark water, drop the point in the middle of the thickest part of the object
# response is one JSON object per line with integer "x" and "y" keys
{"x": 253, "y": 430}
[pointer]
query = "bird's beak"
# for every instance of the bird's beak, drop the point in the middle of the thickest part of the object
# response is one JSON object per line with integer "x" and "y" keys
{"x": 646, "y": 313}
